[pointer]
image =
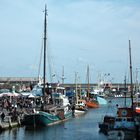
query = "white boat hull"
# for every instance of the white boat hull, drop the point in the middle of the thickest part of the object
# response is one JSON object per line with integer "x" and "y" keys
{"x": 79, "y": 112}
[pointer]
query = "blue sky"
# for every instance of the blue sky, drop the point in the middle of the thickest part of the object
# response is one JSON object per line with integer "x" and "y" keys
{"x": 80, "y": 33}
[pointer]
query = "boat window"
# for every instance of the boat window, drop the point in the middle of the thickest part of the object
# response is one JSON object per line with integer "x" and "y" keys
{"x": 132, "y": 119}
{"x": 118, "y": 119}
{"x": 128, "y": 119}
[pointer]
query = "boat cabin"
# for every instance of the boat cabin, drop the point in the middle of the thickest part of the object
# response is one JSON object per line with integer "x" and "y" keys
{"x": 125, "y": 112}
{"x": 124, "y": 123}
{"x": 124, "y": 119}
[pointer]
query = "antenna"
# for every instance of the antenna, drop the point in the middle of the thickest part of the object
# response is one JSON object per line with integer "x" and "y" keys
{"x": 63, "y": 78}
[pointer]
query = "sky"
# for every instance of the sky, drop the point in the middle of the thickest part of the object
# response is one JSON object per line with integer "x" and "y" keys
{"x": 79, "y": 33}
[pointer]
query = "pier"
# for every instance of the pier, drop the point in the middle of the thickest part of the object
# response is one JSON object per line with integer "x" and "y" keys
{"x": 7, "y": 123}
{"x": 34, "y": 80}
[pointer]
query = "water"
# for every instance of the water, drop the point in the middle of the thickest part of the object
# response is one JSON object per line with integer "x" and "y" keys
{"x": 82, "y": 128}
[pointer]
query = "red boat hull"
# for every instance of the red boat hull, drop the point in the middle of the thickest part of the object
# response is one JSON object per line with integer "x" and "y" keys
{"x": 138, "y": 110}
{"x": 91, "y": 104}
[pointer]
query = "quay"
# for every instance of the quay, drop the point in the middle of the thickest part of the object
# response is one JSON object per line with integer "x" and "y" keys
{"x": 20, "y": 106}
{"x": 12, "y": 110}
{"x": 35, "y": 80}
{"x": 8, "y": 124}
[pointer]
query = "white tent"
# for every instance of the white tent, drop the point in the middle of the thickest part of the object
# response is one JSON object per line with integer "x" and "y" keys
{"x": 9, "y": 94}
{"x": 31, "y": 96}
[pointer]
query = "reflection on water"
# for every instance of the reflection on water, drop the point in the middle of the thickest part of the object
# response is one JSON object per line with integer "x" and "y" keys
{"x": 81, "y": 128}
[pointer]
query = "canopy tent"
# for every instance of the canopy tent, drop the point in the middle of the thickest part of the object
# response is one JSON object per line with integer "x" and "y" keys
{"x": 9, "y": 94}
{"x": 31, "y": 96}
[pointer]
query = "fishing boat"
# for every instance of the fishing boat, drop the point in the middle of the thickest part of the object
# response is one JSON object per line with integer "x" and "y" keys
{"x": 125, "y": 119}
{"x": 80, "y": 105}
{"x": 100, "y": 96}
{"x": 49, "y": 114}
{"x": 124, "y": 125}
{"x": 91, "y": 101}
{"x": 107, "y": 124}
{"x": 125, "y": 122}
{"x": 101, "y": 99}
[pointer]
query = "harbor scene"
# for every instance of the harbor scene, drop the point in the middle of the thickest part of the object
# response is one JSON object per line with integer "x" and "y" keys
{"x": 83, "y": 127}
{"x": 69, "y": 70}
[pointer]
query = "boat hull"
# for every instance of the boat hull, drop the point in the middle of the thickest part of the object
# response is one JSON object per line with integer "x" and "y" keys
{"x": 138, "y": 110}
{"x": 45, "y": 119}
{"x": 91, "y": 104}
{"x": 79, "y": 112}
{"x": 101, "y": 100}
{"x": 107, "y": 124}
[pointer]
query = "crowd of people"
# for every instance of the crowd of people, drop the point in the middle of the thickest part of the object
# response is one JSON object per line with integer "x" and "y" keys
{"x": 17, "y": 106}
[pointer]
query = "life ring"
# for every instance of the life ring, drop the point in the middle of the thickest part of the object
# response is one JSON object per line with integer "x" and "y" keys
{"x": 124, "y": 112}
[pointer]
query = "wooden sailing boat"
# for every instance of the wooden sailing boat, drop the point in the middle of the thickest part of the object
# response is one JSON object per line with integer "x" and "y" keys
{"x": 49, "y": 115}
{"x": 91, "y": 102}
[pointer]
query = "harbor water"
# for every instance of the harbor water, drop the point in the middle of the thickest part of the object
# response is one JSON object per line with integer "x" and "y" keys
{"x": 79, "y": 128}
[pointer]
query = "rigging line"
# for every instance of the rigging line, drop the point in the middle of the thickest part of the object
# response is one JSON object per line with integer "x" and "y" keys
{"x": 40, "y": 60}
{"x": 51, "y": 65}
{"x": 51, "y": 68}
{"x": 53, "y": 74}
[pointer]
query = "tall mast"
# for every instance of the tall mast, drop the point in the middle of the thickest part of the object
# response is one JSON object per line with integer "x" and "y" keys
{"x": 88, "y": 80}
{"x": 45, "y": 38}
{"x": 125, "y": 89}
{"x": 76, "y": 87}
{"x": 131, "y": 74}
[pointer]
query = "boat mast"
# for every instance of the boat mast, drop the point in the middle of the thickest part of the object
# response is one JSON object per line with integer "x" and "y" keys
{"x": 131, "y": 74}
{"x": 45, "y": 38}
{"x": 88, "y": 81}
{"x": 76, "y": 87}
{"x": 125, "y": 90}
